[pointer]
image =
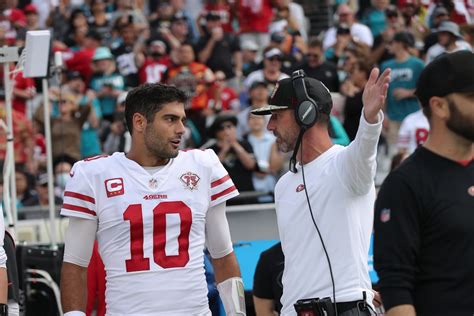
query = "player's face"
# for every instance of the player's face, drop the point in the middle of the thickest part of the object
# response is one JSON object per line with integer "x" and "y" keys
{"x": 461, "y": 115}
{"x": 283, "y": 125}
{"x": 163, "y": 135}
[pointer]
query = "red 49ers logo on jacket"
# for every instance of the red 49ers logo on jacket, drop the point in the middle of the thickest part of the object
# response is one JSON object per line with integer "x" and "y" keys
{"x": 190, "y": 180}
{"x": 114, "y": 187}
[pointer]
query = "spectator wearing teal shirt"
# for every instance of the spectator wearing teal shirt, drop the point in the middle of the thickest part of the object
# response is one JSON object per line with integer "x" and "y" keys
{"x": 337, "y": 132}
{"x": 374, "y": 17}
{"x": 406, "y": 69}
{"x": 106, "y": 82}
{"x": 90, "y": 144}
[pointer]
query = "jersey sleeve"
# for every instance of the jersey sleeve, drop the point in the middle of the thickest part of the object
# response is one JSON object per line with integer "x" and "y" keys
{"x": 404, "y": 135}
{"x": 222, "y": 186}
{"x": 79, "y": 198}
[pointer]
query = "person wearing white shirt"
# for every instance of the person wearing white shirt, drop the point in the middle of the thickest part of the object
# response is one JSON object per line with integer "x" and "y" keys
{"x": 324, "y": 203}
{"x": 449, "y": 41}
{"x": 359, "y": 32}
{"x": 413, "y": 132}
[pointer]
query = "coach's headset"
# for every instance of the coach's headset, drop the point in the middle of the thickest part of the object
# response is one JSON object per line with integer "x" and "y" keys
{"x": 307, "y": 110}
{"x": 307, "y": 113}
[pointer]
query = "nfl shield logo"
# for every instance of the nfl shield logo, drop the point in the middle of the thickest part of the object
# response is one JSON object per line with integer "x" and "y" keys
{"x": 153, "y": 183}
{"x": 385, "y": 215}
{"x": 190, "y": 180}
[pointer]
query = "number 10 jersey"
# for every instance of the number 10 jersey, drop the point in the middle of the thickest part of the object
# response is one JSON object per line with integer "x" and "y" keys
{"x": 151, "y": 228}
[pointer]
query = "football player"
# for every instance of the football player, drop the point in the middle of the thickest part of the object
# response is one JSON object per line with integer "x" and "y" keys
{"x": 151, "y": 210}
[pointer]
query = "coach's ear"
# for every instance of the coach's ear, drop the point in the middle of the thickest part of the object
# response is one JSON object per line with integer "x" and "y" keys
{"x": 139, "y": 122}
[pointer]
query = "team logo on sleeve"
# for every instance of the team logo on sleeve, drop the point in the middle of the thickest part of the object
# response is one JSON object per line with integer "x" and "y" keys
{"x": 190, "y": 180}
{"x": 114, "y": 187}
{"x": 385, "y": 215}
{"x": 471, "y": 190}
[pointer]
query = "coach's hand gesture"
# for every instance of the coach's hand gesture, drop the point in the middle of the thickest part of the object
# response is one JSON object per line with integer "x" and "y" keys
{"x": 374, "y": 95}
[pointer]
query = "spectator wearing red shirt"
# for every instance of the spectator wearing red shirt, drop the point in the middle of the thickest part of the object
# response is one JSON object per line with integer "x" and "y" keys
{"x": 193, "y": 78}
{"x": 23, "y": 91}
{"x": 254, "y": 17}
{"x": 190, "y": 76}
{"x": 153, "y": 63}
{"x": 221, "y": 8}
{"x": 222, "y": 97}
{"x": 81, "y": 61}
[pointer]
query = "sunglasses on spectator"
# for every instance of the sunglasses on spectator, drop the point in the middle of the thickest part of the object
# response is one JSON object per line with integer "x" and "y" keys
{"x": 313, "y": 56}
{"x": 274, "y": 58}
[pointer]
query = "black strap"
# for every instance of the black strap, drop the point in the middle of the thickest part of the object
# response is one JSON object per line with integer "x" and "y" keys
{"x": 346, "y": 306}
{"x": 292, "y": 166}
{"x": 3, "y": 310}
{"x": 299, "y": 87}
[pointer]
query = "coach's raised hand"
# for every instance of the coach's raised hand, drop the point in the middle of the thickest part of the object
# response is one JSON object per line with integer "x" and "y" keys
{"x": 374, "y": 95}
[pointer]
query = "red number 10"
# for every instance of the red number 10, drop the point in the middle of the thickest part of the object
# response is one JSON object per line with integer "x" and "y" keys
{"x": 138, "y": 262}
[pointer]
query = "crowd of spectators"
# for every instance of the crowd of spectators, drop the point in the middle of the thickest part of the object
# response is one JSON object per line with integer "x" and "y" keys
{"x": 227, "y": 55}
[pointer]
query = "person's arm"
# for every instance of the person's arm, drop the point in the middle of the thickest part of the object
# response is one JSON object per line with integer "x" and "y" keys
{"x": 3, "y": 286}
{"x": 205, "y": 53}
{"x": 79, "y": 242}
{"x": 263, "y": 306}
{"x": 357, "y": 163}
{"x": 73, "y": 288}
{"x": 277, "y": 159}
{"x": 224, "y": 261}
{"x": 402, "y": 93}
{"x": 247, "y": 159}
{"x": 397, "y": 239}
{"x": 263, "y": 295}
{"x": 401, "y": 310}
{"x": 226, "y": 268}
{"x": 237, "y": 57}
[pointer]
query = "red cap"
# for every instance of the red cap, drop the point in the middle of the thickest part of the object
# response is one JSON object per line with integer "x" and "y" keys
{"x": 402, "y": 3}
{"x": 17, "y": 16}
{"x": 31, "y": 8}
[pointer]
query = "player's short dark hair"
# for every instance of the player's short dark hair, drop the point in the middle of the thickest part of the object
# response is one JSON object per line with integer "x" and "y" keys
{"x": 150, "y": 98}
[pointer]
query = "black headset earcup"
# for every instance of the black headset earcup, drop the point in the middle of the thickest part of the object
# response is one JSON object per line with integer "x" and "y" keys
{"x": 306, "y": 114}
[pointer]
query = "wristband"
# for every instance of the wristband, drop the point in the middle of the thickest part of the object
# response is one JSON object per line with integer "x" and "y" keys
{"x": 232, "y": 295}
{"x": 75, "y": 313}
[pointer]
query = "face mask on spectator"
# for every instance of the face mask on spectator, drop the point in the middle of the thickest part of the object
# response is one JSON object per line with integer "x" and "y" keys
{"x": 61, "y": 179}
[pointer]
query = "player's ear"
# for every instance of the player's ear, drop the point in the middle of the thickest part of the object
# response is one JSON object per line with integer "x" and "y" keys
{"x": 439, "y": 107}
{"x": 139, "y": 122}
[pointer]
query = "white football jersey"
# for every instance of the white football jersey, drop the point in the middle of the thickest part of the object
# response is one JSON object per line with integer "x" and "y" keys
{"x": 413, "y": 131}
{"x": 151, "y": 228}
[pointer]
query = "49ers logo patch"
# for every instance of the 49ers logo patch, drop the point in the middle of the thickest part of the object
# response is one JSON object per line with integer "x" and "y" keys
{"x": 190, "y": 180}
